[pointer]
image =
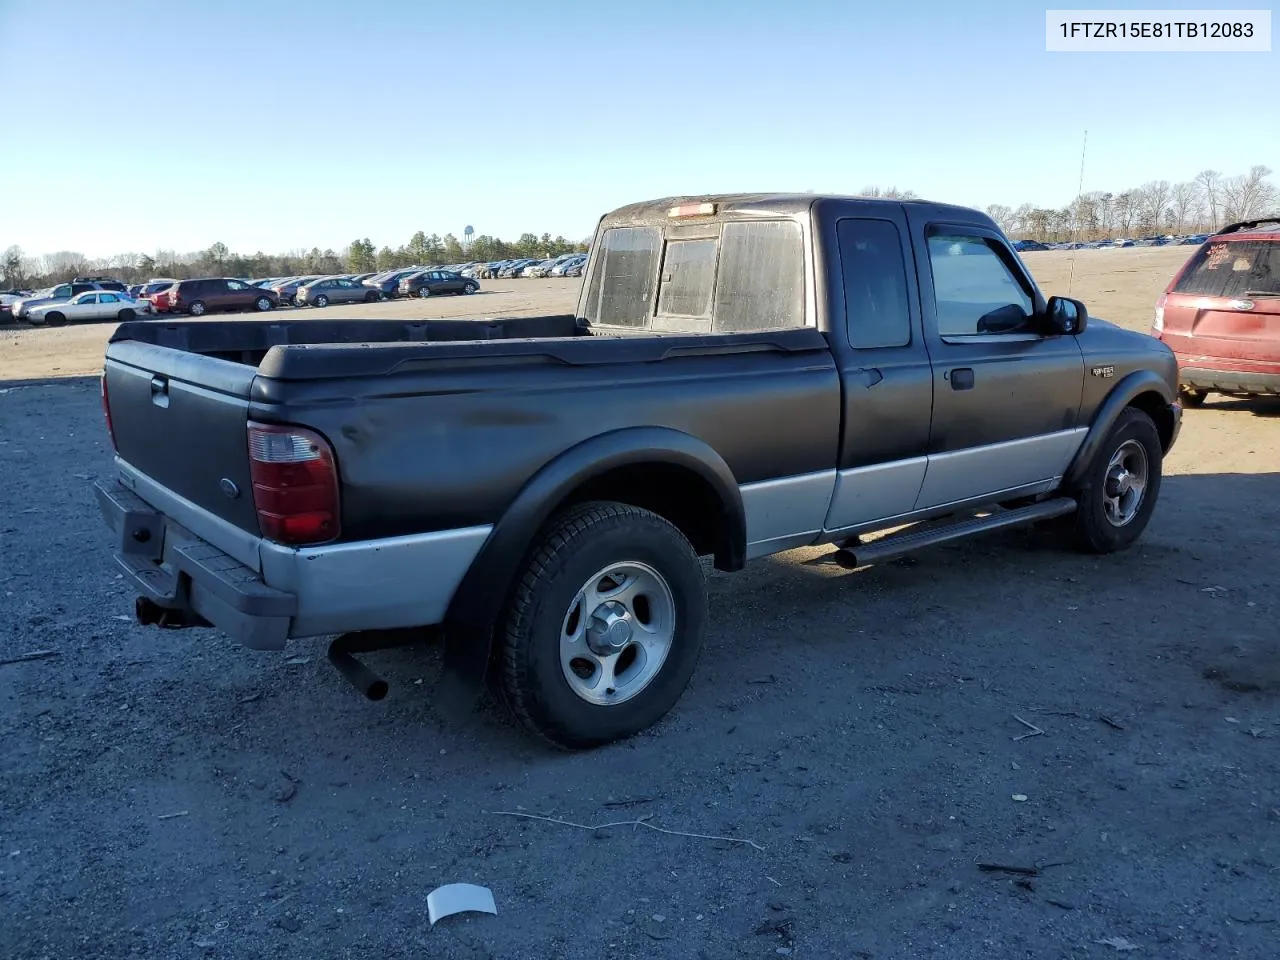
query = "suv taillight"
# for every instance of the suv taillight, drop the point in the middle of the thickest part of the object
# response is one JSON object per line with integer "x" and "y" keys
{"x": 295, "y": 484}
{"x": 1157, "y": 321}
{"x": 106, "y": 411}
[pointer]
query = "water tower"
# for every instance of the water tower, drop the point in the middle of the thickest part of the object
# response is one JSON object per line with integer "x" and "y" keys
{"x": 467, "y": 232}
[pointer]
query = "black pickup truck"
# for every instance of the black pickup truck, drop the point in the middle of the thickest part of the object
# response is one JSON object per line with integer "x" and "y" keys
{"x": 744, "y": 374}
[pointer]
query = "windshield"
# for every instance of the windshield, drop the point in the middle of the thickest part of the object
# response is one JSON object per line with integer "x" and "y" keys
{"x": 1233, "y": 268}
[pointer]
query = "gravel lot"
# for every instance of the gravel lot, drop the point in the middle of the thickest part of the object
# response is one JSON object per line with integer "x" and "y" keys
{"x": 170, "y": 795}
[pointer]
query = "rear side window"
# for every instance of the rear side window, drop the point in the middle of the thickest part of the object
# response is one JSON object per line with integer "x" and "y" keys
{"x": 875, "y": 283}
{"x": 688, "y": 271}
{"x": 760, "y": 282}
{"x": 1233, "y": 268}
{"x": 622, "y": 289}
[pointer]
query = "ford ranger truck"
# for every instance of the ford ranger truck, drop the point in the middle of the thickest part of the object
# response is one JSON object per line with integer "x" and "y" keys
{"x": 743, "y": 375}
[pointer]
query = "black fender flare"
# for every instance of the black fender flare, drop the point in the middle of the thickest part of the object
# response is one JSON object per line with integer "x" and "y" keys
{"x": 1121, "y": 396}
{"x": 470, "y": 620}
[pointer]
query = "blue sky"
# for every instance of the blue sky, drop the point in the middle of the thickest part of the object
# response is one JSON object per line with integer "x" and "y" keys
{"x": 136, "y": 125}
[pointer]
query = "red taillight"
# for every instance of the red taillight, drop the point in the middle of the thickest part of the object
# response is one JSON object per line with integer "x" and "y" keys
{"x": 295, "y": 484}
{"x": 106, "y": 411}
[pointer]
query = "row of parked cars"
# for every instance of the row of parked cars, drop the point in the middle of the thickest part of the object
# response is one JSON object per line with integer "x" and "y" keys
{"x": 1194, "y": 239}
{"x": 104, "y": 298}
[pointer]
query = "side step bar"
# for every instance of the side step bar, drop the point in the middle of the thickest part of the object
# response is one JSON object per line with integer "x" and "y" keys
{"x": 887, "y": 548}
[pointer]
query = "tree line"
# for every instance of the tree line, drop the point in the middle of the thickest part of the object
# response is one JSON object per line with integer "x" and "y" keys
{"x": 360, "y": 256}
{"x": 1200, "y": 205}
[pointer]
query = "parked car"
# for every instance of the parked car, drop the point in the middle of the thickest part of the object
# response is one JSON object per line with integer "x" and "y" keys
{"x": 388, "y": 284}
{"x": 560, "y": 476}
{"x": 7, "y": 299}
{"x": 327, "y": 290}
{"x": 1023, "y": 246}
{"x": 430, "y": 283}
{"x": 559, "y": 269}
{"x": 93, "y": 305}
{"x": 575, "y": 269}
{"x": 210, "y": 294}
{"x": 61, "y": 293}
{"x": 513, "y": 268}
{"x": 287, "y": 290}
{"x": 1220, "y": 314}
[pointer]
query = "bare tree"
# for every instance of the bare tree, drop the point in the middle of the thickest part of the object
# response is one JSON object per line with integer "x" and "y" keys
{"x": 1208, "y": 181}
{"x": 1154, "y": 198}
{"x": 11, "y": 263}
{"x": 1247, "y": 196}
{"x": 887, "y": 193}
{"x": 1183, "y": 198}
{"x": 1002, "y": 215}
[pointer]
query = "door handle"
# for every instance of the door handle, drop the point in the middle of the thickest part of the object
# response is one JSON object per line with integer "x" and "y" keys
{"x": 961, "y": 378}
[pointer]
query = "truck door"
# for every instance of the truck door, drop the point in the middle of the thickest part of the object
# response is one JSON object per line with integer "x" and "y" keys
{"x": 886, "y": 379}
{"x": 1006, "y": 397}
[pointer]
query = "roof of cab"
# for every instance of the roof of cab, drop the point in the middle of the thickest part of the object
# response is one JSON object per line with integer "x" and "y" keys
{"x": 775, "y": 204}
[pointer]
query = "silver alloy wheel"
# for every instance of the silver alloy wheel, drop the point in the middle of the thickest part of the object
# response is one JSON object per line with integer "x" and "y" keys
{"x": 424, "y": 292}
{"x": 617, "y": 633}
{"x": 197, "y": 309}
{"x": 322, "y": 301}
{"x": 264, "y": 304}
{"x": 1125, "y": 484}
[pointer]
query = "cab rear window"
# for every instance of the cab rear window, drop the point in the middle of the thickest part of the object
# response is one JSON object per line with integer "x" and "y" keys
{"x": 736, "y": 277}
{"x": 1233, "y": 268}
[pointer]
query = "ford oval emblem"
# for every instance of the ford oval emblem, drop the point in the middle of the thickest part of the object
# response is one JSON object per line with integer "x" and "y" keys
{"x": 229, "y": 487}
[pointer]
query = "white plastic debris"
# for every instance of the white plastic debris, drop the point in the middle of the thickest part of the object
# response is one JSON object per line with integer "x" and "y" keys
{"x": 459, "y": 898}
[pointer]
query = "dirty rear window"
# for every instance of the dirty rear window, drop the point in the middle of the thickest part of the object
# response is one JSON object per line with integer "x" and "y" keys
{"x": 760, "y": 284}
{"x": 1233, "y": 268}
{"x": 622, "y": 287}
{"x": 751, "y": 278}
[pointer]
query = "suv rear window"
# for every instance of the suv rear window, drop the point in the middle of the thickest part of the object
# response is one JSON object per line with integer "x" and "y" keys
{"x": 1233, "y": 268}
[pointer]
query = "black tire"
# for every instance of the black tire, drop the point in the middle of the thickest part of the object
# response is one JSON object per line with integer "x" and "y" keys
{"x": 1092, "y": 529}
{"x": 572, "y": 547}
{"x": 321, "y": 301}
{"x": 55, "y": 319}
{"x": 470, "y": 288}
{"x": 1193, "y": 398}
{"x": 125, "y": 315}
{"x": 197, "y": 308}
{"x": 424, "y": 292}
{"x": 263, "y": 304}
{"x": 371, "y": 297}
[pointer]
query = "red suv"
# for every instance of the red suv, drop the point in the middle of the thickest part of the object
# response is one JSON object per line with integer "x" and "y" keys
{"x": 1220, "y": 315}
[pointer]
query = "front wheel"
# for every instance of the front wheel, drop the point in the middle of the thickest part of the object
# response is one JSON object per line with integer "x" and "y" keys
{"x": 604, "y": 627}
{"x": 1119, "y": 492}
{"x": 321, "y": 301}
{"x": 55, "y": 319}
{"x": 370, "y": 297}
{"x": 470, "y": 288}
{"x": 125, "y": 315}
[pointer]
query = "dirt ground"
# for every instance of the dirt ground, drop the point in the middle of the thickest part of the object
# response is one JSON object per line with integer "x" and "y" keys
{"x": 167, "y": 794}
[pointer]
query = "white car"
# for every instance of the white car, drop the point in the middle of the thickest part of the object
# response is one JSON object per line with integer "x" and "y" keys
{"x": 94, "y": 305}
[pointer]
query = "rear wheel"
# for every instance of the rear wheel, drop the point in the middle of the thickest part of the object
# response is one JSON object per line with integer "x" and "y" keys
{"x": 1119, "y": 492}
{"x": 197, "y": 308}
{"x": 263, "y": 304}
{"x": 605, "y": 625}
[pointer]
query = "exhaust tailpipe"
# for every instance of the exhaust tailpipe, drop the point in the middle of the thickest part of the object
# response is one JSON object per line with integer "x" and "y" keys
{"x": 357, "y": 674}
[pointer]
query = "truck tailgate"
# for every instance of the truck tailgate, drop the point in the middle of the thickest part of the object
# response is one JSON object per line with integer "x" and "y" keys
{"x": 180, "y": 418}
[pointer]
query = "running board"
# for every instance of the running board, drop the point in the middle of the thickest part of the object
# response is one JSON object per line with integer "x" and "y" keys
{"x": 889, "y": 547}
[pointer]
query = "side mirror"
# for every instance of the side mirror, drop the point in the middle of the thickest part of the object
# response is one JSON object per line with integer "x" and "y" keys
{"x": 1066, "y": 317}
